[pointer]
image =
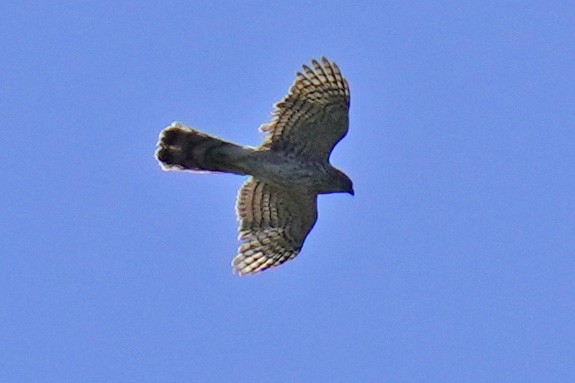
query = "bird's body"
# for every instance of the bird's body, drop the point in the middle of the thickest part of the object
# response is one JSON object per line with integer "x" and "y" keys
{"x": 271, "y": 166}
{"x": 277, "y": 205}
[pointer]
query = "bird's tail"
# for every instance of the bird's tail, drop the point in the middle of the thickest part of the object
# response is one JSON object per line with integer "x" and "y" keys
{"x": 183, "y": 148}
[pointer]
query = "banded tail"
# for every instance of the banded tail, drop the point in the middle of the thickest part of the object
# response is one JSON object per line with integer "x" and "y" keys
{"x": 183, "y": 148}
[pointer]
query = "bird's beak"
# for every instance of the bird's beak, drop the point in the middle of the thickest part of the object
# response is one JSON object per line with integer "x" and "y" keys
{"x": 351, "y": 192}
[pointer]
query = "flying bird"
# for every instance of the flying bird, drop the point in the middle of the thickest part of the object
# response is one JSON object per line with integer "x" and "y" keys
{"x": 277, "y": 205}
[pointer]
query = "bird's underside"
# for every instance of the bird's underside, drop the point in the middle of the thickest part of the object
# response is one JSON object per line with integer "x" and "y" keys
{"x": 277, "y": 205}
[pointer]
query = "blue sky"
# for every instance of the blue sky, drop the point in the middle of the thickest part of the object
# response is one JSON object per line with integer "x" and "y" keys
{"x": 454, "y": 262}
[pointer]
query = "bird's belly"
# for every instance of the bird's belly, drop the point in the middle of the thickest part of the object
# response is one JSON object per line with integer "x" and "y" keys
{"x": 287, "y": 172}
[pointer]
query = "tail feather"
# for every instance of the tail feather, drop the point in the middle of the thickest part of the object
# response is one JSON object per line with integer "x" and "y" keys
{"x": 183, "y": 148}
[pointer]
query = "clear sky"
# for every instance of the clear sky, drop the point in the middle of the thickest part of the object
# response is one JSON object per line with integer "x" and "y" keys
{"x": 454, "y": 262}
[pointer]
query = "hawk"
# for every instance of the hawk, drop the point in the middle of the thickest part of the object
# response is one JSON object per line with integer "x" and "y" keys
{"x": 277, "y": 205}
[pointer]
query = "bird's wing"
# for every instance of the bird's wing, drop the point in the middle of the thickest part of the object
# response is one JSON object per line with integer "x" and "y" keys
{"x": 313, "y": 117}
{"x": 273, "y": 225}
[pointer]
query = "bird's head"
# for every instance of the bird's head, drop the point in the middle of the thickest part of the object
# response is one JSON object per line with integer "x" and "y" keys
{"x": 343, "y": 183}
